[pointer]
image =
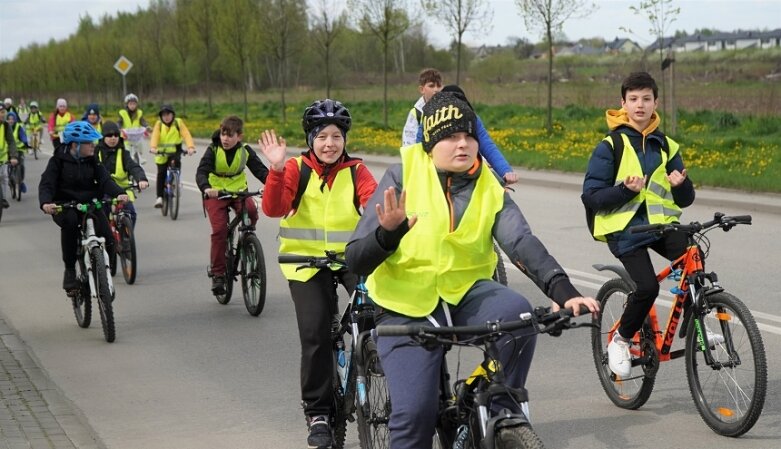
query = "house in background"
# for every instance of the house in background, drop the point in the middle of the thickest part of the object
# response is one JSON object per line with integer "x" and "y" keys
{"x": 738, "y": 40}
{"x": 620, "y": 46}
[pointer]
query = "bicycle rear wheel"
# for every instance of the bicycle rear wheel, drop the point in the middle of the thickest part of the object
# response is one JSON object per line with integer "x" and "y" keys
{"x": 631, "y": 392}
{"x": 374, "y": 414}
{"x": 730, "y": 392}
{"x": 127, "y": 250}
{"x": 100, "y": 277}
{"x": 253, "y": 275}
{"x": 82, "y": 305}
{"x": 175, "y": 195}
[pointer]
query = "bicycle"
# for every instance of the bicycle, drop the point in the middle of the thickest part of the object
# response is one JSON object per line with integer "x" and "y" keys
{"x": 716, "y": 372}
{"x": 359, "y": 381}
{"x": 2, "y": 197}
{"x": 244, "y": 258}
{"x": 15, "y": 176}
{"x": 92, "y": 271}
{"x": 135, "y": 137}
{"x": 465, "y": 418}
{"x": 172, "y": 191}
{"x": 122, "y": 230}
{"x": 35, "y": 140}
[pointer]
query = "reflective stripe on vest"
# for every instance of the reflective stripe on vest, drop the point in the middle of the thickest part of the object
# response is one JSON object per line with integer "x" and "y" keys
{"x": 324, "y": 220}
{"x": 432, "y": 261}
{"x": 657, "y": 194}
{"x": 126, "y": 122}
{"x": 230, "y": 178}
{"x": 170, "y": 139}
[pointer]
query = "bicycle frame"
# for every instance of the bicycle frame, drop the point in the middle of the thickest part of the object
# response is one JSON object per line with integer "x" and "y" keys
{"x": 89, "y": 240}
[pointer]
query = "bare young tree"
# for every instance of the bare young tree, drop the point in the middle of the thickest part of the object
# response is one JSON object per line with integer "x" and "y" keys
{"x": 239, "y": 37}
{"x": 200, "y": 14}
{"x": 179, "y": 36}
{"x": 548, "y": 17}
{"x": 460, "y": 16}
{"x": 328, "y": 20}
{"x": 386, "y": 20}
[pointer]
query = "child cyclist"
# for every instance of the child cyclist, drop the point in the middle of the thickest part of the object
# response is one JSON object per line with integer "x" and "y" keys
{"x": 222, "y": 170}
{"x": 93, "y": 117}
{"x": 74, "y": 174}
{"x": 333, "y": 187}
{"x": 648, "y": 183}
{"x": 34, "y": 125}
{"x": 429, "y": 83}
{"x": 8, "y": 155}
{"x": 115, "y": 157}
{"x": 57, "y": 121}
{"x": 436, "y": 264}
{"x": 20, "y": 140}
{"x": 132, "y": 117}
{"x": 166, "y": 144}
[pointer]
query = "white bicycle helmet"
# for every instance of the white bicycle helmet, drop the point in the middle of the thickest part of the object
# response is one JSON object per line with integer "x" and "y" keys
{"x": 131, "y": 97}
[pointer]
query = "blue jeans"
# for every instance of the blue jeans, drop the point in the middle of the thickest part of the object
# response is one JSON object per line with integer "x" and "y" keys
{"x": 412, "y": 372}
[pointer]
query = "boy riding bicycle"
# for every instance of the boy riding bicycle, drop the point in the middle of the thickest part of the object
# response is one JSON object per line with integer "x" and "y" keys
{"x": 646, "y": 184}
{"x": 132, "y": 118}
{"x": 74, "y": 174}
{"x": 20, "y": 140}
{"x": 318, "y": 195}
{"x": 436, "y": 264}
{"x": 222, "y": 170}
{"x": 167, "y": 135}
{"x": 34, "y": 125}
{"x": 113, "y": 155}
{"x": 8, "y": 155}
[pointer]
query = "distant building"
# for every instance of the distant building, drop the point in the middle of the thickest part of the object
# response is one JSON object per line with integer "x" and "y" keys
{"x": 738, "y": 40}
{"x": 622, "y": 46}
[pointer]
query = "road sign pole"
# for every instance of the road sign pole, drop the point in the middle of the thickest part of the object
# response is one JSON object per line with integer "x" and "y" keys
{"x": 124, "y": 86}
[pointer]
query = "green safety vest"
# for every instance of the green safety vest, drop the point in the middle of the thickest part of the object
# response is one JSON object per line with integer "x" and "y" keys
{"x": 657, "y": 194}
{"x": 170, "y": 140}
{"x": 3, "y": 145}
{"x": 325, "y": 220}
{"x": 119, "y": 175}
{"x": 61, "y": 121}
{"x": 433, "y": 262}
{"x": 35, "y": 120}
{"x": 230, "y": 178}
{"x": 17, "y": 139}
{"x": 126, "y": 122}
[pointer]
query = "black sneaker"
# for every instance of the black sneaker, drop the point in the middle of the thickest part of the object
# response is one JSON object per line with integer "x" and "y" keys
{"x": 319, "y": 433}
{"x": 69, "y": 281}
{"x": 5, "y": 204}
{"x": 218, "y": 284}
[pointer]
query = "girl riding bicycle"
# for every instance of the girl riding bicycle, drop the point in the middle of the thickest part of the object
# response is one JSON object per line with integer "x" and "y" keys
{"x": 436, "y": 265}
{"x": 318, "y": 195}
{"x": 58, "y": 120}
{"x": 115, "y": 157}
{"x": 166, "y": 143}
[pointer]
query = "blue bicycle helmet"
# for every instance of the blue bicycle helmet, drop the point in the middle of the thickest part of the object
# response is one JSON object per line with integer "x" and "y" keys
{"x": 326, "y": 112}
{"x": 80, "y": 132}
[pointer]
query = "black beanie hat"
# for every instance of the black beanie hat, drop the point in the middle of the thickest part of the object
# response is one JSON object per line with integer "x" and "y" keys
{"x": 110, "y": 127}
{"x": 445, "y": 114}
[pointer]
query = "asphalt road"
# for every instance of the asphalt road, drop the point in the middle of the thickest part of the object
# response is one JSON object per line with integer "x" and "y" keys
{"x": 187, "y": 372}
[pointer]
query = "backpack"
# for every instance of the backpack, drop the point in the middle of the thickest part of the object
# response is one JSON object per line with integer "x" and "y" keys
{"x": 617, "y": 144}
{"x": 303, "y": 180}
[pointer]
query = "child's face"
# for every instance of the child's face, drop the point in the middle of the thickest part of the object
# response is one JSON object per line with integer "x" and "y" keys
{"x": 111, "y": 140}
{"x": 87, "y": 149}
{"x": 639, "y": 105}
{"x": 429, "y": 89}
{"x": 167, "y": 117}
{"x": 230, "y": 140}
{"x": 329, "y": 144}
{"x": 132, "y": 105}
{"x": 455, "y": 153}
{"x": 2, "y": 115}
{"x": 62, "y": 108}
{"x": 11, "y": 120}
{"x": 92, "y": 118}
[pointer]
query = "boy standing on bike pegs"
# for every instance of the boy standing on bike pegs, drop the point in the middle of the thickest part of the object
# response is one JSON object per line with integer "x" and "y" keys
{"x": 74, "y": 174}
{"x": 318, "y": 195}
{"x": 222, "y": 170}
{"x": 113, "y": 155}
{"x": 8, "y": 155}
{"x": 636, "y": 176}
{"x": 435, "y": 264}
{"x": 166, "y": 144}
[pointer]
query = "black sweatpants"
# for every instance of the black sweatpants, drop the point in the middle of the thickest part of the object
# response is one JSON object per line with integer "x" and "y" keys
{"x": 316, "y": 303}
{"x": 638, "y": 264}
{"x": 70, "y": 237}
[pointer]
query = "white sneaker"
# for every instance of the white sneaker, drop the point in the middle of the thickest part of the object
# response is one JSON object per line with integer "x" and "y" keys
{"x": 159, "y": 202}
{"x": 713, "y": 339}
{"x": 618, "y": 357}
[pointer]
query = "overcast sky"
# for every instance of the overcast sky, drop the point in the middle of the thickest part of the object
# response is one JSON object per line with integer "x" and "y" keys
{"x": 23, "y": 22}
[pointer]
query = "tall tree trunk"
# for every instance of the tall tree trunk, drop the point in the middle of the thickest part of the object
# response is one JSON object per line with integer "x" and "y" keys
{"x": 385, "y": 81}
{"x": 458, "y": 60}
{"x": 549, "y": 115}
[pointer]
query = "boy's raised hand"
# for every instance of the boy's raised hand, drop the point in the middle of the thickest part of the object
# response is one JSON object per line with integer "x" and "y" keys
{"x": 274, "y": 148}
{"x": 395, "y": 212}
{"x": 634, "y": 183}
{"x": 676, "y": 178}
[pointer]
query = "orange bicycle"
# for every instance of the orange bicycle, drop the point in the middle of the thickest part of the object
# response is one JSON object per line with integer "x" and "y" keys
{"x": 727, "y": 373}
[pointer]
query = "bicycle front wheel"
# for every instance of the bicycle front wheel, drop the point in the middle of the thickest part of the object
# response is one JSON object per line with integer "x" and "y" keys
{"x": 373, "y": 401}
{"x": 100, "y": 277}
{"x": 518, "y": 437}
{"x": 253, "y": 275}
{"x": 176, "y": 193}
{"x": 633, "y": 391}
{"x": 730, "y": 391}
{"x": 127, "y": 254}
{"x": 225, "y": 298}
{"x": 82, "y": 305}
{"x": 16, "y": 183}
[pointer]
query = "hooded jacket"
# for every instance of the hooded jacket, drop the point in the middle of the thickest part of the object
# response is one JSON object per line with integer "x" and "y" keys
{"x": 206, "y": 166}
{"x": 602, "y": 192}
{"x": 67, "y": 178}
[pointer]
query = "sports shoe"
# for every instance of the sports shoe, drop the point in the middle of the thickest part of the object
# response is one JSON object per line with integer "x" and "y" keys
{"x": 5, "y": 204}
{"x": 319, "y": 433}
{"x": 69, "y": 281}
{"x": 618, "y": 357}
{"x": 159, "y": 202}
{"x": 218, "y": 284}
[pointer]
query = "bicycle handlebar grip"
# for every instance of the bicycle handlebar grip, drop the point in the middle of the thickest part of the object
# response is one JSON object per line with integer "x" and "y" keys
{"x": 644, "y": 228}
{"x": 290, "y": 258}
{"x": 398, "y": 330}
{"x": 742, "y": 219}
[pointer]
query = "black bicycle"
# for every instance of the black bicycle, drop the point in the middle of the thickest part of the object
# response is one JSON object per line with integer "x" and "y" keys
{"x": 359, "y": 382}
{"x": 123, "y": 231}
{"x": 244, "y": 257}
{"x": 465, "y": 418}
{"x": 172, "y": 190}
{"x": 15, "y": 177}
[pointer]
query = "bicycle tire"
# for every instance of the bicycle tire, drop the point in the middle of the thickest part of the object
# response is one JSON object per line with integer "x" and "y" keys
{"x": 100, "y": 277}
{"x": 127, "y": 250}
{"x": 500, "y": 272}
{"x": 1, "y": 199}
{"x": 729, "y": 399}
{"x": 166, "y": 193}
{"x": 253, "y": 275}
{"x": 175, "y": 195}
{"x": 16, "y": 183}
{"x": 229, "y": 258}
{"x": 81, "y": 302}
{"x": 630, "y": 393}
{"x": 518, "y": 437}
{"x": 374, "y": 417}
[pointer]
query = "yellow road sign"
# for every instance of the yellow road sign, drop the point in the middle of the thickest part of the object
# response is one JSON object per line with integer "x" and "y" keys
{"x": 123, "y": 65}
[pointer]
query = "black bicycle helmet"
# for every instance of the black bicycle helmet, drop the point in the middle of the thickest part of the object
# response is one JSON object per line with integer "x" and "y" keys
{"x": 326, "y": 112}
{"x": 166, "y": 108}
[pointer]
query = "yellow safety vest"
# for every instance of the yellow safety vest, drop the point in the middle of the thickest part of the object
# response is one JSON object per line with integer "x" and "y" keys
{"x": 35, "y": 120}
{"x": 433, "y": 262}
{"x": 119, "y": 175}
{"x": 170, "y": 139}
{"x": 657, "y": 194}
{"x": 17, "y": 139}
{"x": 126, "y": 122}
{"x": 325, "y": 220}
{"x": 3, "y": 145}
{"x": 230, "y": 178}
{"x": 61, "y": 121}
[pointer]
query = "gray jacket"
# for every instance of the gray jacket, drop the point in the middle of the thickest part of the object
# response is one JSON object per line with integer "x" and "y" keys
{"x": 370, "y": 244}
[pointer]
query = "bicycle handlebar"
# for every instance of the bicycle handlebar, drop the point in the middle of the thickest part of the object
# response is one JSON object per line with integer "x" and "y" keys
{"x": 719, "y": 220}
{"x": 330, "y": 258}
{"x": 224, "y": 195}
{"x": 93, "y": 205}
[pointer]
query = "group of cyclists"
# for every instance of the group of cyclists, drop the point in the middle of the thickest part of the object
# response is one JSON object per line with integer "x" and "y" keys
{"x": 423, "y": 236}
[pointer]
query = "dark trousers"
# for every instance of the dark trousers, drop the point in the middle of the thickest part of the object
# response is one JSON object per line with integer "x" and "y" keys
{"x": 217, "y": 211}
{"x": 163, "y": 168}
{"x": 413, "y": 372}
{"x": 638, "y": 264}
{"x": 70, "y": 237}
{"x": 316, "y": 305}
